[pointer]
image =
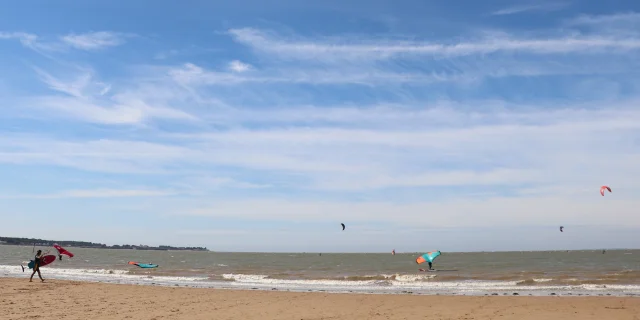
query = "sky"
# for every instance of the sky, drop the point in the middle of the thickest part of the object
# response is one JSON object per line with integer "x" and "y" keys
{"x": 467, "y": 126}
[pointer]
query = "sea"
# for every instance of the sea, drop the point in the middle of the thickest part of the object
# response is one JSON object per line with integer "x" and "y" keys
{"x": 562, "y": 273}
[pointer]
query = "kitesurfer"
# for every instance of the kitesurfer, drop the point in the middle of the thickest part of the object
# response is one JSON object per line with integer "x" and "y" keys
{"x": 36, "y": 266}
{"x": 428, "y": 257}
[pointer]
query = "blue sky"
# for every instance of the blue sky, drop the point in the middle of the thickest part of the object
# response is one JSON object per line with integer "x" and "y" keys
{"x": 479, "y": 125}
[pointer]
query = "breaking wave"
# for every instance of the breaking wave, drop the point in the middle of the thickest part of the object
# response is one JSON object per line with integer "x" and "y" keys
{"x": 382, "y": 283}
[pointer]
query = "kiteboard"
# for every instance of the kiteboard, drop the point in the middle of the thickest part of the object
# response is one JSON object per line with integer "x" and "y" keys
{"x": 437, "y": 270}
{"x": 441, "y": 270}
{"x": 43, "y": 261}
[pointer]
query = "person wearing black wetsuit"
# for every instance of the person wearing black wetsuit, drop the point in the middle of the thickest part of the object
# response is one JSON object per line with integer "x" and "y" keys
{"x": 36, "y": 266}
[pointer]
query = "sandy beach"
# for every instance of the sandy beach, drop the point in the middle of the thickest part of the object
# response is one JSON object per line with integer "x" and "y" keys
{"x": 57, "y": 299}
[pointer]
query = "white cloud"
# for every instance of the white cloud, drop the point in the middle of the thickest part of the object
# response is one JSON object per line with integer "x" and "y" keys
{"x": 88, "y": 101}
{"x": 191, "y": 74}
{"x": 341, "y": 49}
{"x": 106, "y": 90}
{"x": 75, "y": 88}
{"x": 116, "y": 111}
{"x": 434, "y": 115}
{"x": 467, "y": 73}
{"x": 629, "y": 17}
{"x": 33, "y": 42}
{"x": 94, "y": 40}
{"x": 90, "y": 41}
{"x": 374, "y": 61}
{"x": 621, "y": 25}
{"x": 451, "y": 148}
{"x": 544, "y": 7}
{"x": 27, "y": 39}
{"x": 238, "y": 66}
{"x": 371, "y": 61}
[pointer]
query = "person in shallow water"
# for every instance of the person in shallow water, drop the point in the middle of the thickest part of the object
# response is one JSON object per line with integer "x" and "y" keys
{"x": 36, "y": 266}
{"x": 429, "y": 262}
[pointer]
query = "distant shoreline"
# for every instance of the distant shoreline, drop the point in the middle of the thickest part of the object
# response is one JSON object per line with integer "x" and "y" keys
{"x": 12, "y": 241}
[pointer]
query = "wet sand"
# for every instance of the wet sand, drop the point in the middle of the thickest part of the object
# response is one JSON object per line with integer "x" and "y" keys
{"x": 58, "y": 299}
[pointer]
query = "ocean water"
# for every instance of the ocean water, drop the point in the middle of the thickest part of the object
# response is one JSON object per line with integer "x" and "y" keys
{"x": 617, "y": 272}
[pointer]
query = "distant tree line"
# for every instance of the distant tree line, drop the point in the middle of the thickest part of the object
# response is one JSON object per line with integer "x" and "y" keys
{"x": 84, "y": 244}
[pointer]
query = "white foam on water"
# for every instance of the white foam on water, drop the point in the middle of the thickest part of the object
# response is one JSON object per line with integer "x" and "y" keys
{"x": 245, "y": 277}
{"x": 417, "y": 284}
{"x": 110, "y": 275}
{"x": 398, "y": 284}
{"x": 414, "y": 277}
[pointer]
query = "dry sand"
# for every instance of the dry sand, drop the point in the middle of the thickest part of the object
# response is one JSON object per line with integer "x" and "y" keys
{"x": 57, "y": 299}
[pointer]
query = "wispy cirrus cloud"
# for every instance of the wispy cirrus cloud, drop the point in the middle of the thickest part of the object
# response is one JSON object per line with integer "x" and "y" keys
{"x": 621, "y": 25}
{"x": 272, "y": 43}
{"x": 94, "y": 40}
{"x": 628, "y": 17}
{"x": 90, "y": 41}
{"x": 86, "y": 98}
{"x": 457, "y": 72}
{"x": 75, "y": 87}
{"x": 541, "y": 7}
{"x": 31, "y": 41}
{"x": 191, "y": 74}
{"x": 26, "y": 39}
{"x": 469, "y": 59}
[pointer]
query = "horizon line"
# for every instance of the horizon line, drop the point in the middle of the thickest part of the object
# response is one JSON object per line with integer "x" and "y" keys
{"x": 376, "y": 252}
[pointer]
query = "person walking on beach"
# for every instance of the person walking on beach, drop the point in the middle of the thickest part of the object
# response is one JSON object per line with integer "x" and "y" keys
{"x": 36, "y": 266}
